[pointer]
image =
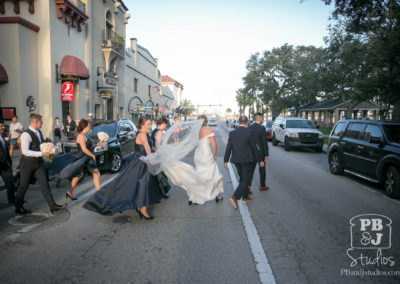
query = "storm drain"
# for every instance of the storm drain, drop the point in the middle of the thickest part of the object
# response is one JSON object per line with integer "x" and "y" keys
{"x": 29, "y": 219}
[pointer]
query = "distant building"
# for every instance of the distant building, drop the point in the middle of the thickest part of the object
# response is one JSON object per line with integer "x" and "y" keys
{"x": 107, "y": 59}
{"x": 328, "y": 112}
{"x": 142, "y": 86}
{"x": 175, "y": 87}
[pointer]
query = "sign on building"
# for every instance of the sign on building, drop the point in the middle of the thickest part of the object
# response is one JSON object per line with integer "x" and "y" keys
{"x": 67, "y": 92}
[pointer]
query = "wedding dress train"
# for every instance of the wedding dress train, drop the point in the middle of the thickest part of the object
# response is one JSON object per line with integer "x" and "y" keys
{"x": 203, "y": 182}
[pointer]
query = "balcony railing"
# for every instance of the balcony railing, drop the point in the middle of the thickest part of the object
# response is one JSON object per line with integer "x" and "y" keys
{"x": 114, "y": 41}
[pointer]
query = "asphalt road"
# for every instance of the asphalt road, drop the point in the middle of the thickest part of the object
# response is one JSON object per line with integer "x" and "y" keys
{"x": 303, "y": 223}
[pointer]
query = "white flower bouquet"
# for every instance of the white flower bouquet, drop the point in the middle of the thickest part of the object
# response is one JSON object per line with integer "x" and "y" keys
{"x": 48, "y": 148}
{"x": 103, "y": 137}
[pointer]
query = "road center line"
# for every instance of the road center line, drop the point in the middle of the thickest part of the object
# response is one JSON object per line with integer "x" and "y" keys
{"x": 262, "y": 265}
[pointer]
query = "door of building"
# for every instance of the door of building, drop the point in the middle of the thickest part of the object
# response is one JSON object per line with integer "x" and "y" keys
{"x": 110, "y": 109}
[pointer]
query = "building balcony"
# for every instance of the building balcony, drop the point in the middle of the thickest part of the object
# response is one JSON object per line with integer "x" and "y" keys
{"x": 112, "y": 40}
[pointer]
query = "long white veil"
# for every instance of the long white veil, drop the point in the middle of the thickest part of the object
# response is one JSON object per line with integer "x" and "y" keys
{"x": 177, "y": 142}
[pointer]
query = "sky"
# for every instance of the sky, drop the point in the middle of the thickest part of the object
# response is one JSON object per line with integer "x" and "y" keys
{"x": 205, "y": 44}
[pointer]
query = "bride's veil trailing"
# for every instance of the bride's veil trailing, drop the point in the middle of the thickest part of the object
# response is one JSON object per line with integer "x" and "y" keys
{"x": 177, "y": 142}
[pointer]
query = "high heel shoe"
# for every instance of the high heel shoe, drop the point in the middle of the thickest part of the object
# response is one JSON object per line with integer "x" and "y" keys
{"x": 218, "y": 199}
{"x": 142, "y": 216}
{"x": 70, "y": 197}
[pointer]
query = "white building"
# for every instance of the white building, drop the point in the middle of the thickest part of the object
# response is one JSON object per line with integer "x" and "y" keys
{"x": 46, "y": 43}
{"x": 174, "y": 86}
{"x": 143, "y": 93}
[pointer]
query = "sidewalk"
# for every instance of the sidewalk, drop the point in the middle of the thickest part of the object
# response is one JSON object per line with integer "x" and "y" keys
{"x": 15, "y": 163}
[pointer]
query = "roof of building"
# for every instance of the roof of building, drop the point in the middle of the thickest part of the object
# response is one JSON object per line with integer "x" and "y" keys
{"x": 123, "y": 5}
{"x": 335, "y": 103}
{"x": 146, "y": 50}
{"x": 325, "y": 104}
{"x": 167, "y": 79}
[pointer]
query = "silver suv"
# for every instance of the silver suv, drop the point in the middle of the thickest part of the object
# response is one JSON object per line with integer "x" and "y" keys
{"x": 296, "y": 132}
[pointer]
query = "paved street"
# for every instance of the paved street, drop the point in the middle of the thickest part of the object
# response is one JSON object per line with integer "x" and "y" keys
{"x": 303, "y": 223}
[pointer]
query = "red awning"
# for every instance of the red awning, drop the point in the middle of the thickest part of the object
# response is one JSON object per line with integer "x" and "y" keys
{"x": 73, "y": 66}
{"x": 3, "y": 75}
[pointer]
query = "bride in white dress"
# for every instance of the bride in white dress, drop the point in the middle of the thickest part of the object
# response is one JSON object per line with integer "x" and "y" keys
{"x": 203, "y": 182}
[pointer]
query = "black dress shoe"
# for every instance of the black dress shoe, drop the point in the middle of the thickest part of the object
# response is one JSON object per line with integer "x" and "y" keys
{"x": 22, "y": 211}
{"x": 56, "y": 208}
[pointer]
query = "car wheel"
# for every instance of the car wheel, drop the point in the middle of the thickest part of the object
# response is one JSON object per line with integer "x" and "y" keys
{"x": 392, "y": 182}
{"x": 335, "y": 164}
{"x": 274, "y": 141}
{"x": 287, "y": 146}
{"x": 116, "y": 162}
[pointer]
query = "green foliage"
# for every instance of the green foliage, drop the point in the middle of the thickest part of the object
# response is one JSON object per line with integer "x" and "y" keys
{"x": 368, "y": 43}
{"x": 188, "y": 107}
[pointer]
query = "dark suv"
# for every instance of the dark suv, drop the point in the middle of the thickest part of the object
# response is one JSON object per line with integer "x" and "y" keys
{"x": 368, "y": 149}
{"x": 120, "y": 145}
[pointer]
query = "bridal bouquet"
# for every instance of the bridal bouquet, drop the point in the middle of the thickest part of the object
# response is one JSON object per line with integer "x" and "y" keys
{"x": 103, "y": 137}
{"x": 48, "y": 148}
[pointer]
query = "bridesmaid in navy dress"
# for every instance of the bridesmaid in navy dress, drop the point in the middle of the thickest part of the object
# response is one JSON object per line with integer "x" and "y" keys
{"x": 134, "y": 188}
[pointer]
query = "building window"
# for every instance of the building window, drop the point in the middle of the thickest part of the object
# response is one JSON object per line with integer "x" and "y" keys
{"x": 149, "y": 91}
{"x": 121, "y": 112}
{"x": 97, "y": 110}
{"x": 135, "y": 85}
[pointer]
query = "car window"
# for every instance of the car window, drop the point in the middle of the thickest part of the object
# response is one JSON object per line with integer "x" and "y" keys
{"x": 372, "y": 131}
{"x": 393, "y": 132}
{"x": 122, "y": 127}
{"x": 269, "y": 124}
{"x": 109, "y": 128}
{"x": 299, "y": 124}
{"x": 128, "y": 127}
{"x": 353, "y": 131}
{"x": 339, "y": 129}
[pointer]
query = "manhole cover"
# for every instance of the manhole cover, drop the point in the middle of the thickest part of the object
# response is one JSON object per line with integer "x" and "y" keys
{"x": 29, "y": 219}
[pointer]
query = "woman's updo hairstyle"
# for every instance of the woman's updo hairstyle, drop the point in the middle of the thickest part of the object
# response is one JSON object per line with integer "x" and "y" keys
{"x": 162, "y": 120}
{"x": 205, "y": 122}
{"x": 141, "y": 122}
{"x": 82, "y": 125}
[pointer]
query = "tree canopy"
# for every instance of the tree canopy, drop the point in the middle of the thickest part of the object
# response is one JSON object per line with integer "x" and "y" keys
{"x": 361, "y": 61}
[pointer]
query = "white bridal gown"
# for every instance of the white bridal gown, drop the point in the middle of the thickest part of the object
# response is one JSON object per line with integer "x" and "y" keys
{"x": 202, "y": 182}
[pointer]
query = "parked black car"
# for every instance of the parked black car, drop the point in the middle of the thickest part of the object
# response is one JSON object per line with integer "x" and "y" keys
{"x": 121, "y": 143}
{"x": 368, "y": 149}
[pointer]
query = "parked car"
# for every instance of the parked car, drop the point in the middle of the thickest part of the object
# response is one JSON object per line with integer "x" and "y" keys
{"x": 212, "y": 122}
{"x": 368, "y": 149}
{"x": 296, "y": 132}
{"x": 268, "y": 129}
{"x": 250, "y": 122}
{"x": 235, "y": 123}
{"x": 120, "y": 145}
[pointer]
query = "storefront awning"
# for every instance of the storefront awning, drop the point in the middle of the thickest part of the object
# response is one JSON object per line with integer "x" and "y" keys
{"x": 3, "y": 75}
{"x": 73, "y": 66}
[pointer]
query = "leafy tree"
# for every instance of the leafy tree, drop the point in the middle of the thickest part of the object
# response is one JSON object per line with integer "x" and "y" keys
{"x": 372, "y": 28}
{"x": 228, "y": 110}
{"x": 188, "y": 107}
{"x": 241, "y": 100}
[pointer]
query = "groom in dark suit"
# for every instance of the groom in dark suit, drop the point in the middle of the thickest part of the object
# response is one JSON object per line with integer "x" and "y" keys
{"x": 260, "y": 137}
{"x": 241, "y": 150}
{"x": 6, "y": 166}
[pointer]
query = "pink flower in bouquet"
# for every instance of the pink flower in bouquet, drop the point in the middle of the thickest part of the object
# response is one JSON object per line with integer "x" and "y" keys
{"x": 102, "y": 136}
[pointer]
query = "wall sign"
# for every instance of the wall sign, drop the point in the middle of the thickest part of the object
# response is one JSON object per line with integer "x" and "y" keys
{"x": 67, "y": 92}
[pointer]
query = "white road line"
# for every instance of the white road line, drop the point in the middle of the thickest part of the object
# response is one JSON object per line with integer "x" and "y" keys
{"x": 264, "y": 269}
